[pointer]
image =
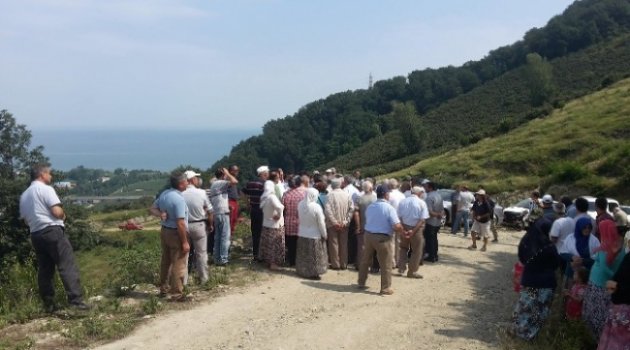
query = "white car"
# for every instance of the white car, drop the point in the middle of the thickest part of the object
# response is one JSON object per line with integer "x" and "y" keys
{"x": 591, "y": 205}
{"x": 517, "y": 214}
{"x": 448, "y": 215}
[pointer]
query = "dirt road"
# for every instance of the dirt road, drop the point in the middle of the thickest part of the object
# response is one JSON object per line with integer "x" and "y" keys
{"x": 458, "y": 305}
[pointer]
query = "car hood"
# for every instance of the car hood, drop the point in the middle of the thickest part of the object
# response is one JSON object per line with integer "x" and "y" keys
{"x": 518, "y": 210}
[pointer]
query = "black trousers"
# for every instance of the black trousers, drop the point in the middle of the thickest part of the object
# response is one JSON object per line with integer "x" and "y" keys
{"x": 431, "y": 242}
{"x": 53, "y": 249}
{"x": 290, "y": 243}
{"x": 257, "y": 221}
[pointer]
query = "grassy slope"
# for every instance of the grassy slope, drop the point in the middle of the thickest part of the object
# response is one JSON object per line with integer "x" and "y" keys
{"x": 583, "y": 146}
{"x": 142, "y": 188}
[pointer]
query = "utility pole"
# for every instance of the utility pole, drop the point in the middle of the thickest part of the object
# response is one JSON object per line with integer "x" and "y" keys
{"x": 370, "y": 83}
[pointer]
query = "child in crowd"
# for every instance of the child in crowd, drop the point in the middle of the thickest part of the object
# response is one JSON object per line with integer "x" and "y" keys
{"x": 573, "y": 308}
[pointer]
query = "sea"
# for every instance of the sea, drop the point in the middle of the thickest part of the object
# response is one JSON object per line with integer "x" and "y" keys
{"x": 162, "y": 150}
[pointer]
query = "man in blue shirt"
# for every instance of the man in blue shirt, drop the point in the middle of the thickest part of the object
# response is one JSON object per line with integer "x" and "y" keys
{"x": 380, "y": 224}
{"x": 171, "y": 208}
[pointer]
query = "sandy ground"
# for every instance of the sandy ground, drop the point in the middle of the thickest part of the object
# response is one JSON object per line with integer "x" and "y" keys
{"x": 461, "y": 303}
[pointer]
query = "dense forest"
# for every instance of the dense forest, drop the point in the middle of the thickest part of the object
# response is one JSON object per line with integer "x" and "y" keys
{"x": 391, "y": 120}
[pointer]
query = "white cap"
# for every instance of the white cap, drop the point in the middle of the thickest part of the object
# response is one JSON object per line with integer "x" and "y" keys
{"x": 481, "y": 192}
{"x": 329, "y": 170}
{"x": 190, "y": 174}
{"x": 262, "y": 169}
{"x": 417, "y": 189}
{"x": 547, "y": 198}
{"x": 425, "y": 181}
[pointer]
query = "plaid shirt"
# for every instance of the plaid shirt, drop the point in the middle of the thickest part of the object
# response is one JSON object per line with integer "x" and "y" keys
{"x": 290, "y": 201}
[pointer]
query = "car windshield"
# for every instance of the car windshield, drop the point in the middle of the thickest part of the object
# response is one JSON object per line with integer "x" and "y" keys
{"x": 523, "y": 204}
{"x": 446, "y": 194}
{"x": 626, "y": 209}
{"x": 591, "y": 206}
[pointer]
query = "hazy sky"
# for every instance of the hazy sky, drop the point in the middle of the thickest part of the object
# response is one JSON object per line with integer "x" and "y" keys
{"x": 156, "y": 64}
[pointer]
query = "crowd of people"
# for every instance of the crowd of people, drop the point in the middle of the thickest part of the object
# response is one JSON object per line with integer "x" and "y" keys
{"x": 587, "y": 257}
{"x": 315, "y": 222}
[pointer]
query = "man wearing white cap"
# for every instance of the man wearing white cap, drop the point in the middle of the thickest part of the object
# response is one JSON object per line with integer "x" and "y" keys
{"x": 482, "y": 214}
{"x": 199, "y": 223}
{"x": 253, "y": 190}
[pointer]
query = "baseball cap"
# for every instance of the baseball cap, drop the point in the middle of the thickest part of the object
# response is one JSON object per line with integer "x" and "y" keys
{"x": 190, "y": 174}
{"x": 381, "y": 190}
{"x": 425, "y": 181}
{"x": 481, "y": 192}
{"x": 547, "y": 198}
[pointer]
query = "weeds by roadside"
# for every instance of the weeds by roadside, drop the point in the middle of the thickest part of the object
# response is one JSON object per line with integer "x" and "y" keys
{"x": 557, "y": 334}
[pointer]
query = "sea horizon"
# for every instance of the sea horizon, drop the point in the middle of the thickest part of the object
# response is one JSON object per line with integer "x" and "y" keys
{"x": 130, "y": 149}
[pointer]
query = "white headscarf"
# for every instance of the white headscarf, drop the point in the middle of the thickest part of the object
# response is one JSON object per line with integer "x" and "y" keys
{"x": 269, "y": 190}
{"x": 311, "y": 196}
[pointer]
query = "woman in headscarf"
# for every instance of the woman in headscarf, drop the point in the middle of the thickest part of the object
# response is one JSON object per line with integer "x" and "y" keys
{"x": 540, "y": 260}
{"x": 616, "y": 333}
{"x": 272, "y": 235}
{"x": 578, "y": 248}
{"x": 312, "y": 256}
{"x": 608, "y": 258}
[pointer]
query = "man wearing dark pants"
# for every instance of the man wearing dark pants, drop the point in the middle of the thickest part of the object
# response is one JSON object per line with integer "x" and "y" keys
{"x": 41, "y": 209}
{"x": 433, "y": 223}
{"x": 254, "y": 189}
{"x": 381, "y": 221}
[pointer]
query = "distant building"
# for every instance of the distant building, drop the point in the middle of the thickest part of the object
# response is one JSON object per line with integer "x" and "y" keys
{"x": 64, "y": 185}
{"x": 104, "y": 179}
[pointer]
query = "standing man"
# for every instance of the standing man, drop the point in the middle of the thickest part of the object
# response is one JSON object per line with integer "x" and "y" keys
{"x": 290, "y": 200}
{"x": 381, "y": 223}
{"x": 199, "y": 223}
{"x": 482, "y": 214}
{"x": 171, "y": 208}
{"x": 233, "y": 197}
{"x": 433, "y": 223}
{"x": 621, "y": 219}
{"x": 338, "y": 209}
{"x": 465, "y": 200}
{"x": 362, "y": 204}
{"x": 219, "y": 200}
{"x": 413, "y": 213}
{"x": 253, "y": 190}
{"x": 41, "y": 210}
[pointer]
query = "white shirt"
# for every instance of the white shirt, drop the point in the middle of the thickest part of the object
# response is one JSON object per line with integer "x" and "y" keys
{"x": 466, "y": 200}
{"x": 411, "y": 210}
{"x": 197, "y": 203}
{"x": 561, "y": 229}
{"x": 569, "y": 245}
{"x": 395, "y": 197}
{"x": 35, "y": 205}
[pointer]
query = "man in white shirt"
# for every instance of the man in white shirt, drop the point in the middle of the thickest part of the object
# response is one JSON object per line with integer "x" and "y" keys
{"x": 41, "y": 210}
{"x": 395, "y": 197}
{"x": 413, "y": 212}
{"x": 199, "y": 223}
{"x": 562, "y": 227}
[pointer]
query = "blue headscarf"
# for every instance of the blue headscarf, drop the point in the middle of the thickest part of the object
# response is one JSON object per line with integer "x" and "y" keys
{"x": 581, "y": 241}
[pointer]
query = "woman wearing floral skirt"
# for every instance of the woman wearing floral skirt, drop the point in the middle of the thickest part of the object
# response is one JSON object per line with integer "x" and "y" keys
{"x": 616, "y": 333}
{"x": 540, "y": 259}
{"x": 312, "y": 256}
{"x": 272, "y": 235}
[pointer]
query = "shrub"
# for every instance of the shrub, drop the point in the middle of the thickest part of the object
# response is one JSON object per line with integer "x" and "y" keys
{"x": 567, "y": 171}
{"x": 134, "y": 266}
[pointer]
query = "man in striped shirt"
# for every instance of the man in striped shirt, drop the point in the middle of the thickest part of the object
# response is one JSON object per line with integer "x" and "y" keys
{"x": 254, "y": 189}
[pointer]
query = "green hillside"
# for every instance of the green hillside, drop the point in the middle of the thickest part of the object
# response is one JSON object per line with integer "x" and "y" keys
{"x": 496, "y": 107}
{"x": 580, "y": 148}
{"x": 523, "y": 80}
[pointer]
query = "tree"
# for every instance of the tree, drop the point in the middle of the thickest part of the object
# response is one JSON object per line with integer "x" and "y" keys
{"x": 408, "y": 123}
{"x": 16, "y": 157}
{"x": 539, "y": 77}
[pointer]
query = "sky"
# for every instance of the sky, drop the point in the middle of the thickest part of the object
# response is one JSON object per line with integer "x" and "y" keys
{"x": 231, "y": 64}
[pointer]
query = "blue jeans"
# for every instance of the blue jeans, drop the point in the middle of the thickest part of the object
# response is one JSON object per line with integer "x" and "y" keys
{"x": 461, "y": 214}
{"x": 221, "y": 238}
